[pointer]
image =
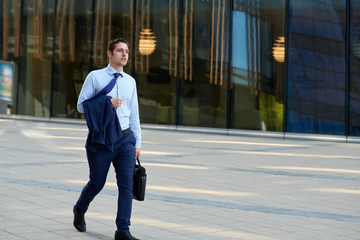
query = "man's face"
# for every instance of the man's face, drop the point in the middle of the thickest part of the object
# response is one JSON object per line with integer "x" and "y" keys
{"x": 120, "y": 55}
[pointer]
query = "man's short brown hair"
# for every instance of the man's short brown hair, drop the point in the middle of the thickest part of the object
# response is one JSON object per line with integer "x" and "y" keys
{"x": 112, "y": 43}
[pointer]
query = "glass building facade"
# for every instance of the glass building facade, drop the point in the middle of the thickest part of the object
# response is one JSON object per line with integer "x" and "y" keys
{"x": 268, "y": 65}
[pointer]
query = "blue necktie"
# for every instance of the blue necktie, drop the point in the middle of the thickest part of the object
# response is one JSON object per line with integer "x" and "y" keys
{"x": 108, "y": 87}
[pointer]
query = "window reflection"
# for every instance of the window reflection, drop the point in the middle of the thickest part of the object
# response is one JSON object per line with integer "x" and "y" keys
{"x": 71, "y": 56}
{"x": 316, "y": 79}
{"x": 155, "y": 69}
{"x": 258, "y": 65}
{"x": 36, "y": 52}
{"x": 10, "y": 41}
{"x": 354, "y": 103}
{"x": 204, "y": 61}
{"x": 10, "y": 16}
{"x": 112, "y": 19}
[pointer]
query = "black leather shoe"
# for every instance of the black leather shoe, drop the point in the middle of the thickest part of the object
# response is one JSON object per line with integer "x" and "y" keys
{"x": 124, "y": 236}
{"x": 79, "y": 221}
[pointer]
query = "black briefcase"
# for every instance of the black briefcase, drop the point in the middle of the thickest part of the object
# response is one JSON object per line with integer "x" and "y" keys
{"x": 139, "y": 177}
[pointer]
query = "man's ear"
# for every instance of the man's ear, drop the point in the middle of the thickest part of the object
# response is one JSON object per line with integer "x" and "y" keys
{"x": 109, "y": 53}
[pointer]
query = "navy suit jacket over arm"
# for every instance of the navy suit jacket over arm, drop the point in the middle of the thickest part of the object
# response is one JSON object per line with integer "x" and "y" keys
{"x": 103, "y": 123}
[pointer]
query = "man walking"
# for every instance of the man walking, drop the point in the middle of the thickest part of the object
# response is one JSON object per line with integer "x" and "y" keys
{"x": 114, "y": 135}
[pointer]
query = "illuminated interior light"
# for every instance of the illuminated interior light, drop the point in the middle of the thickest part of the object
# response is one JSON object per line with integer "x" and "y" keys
{"x": 147, "y": 42}
{"x": 278, "y": 49}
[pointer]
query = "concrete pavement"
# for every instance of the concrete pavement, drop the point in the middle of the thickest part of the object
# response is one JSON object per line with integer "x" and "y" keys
{"x": 200, "y": 186}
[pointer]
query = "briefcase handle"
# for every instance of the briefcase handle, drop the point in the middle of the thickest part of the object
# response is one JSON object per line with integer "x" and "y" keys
{"x": 138, "y": 161}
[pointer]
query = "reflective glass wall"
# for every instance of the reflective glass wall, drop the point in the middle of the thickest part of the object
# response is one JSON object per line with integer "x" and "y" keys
{"x": 10, "y": 28}
{"x": 258, "y": 68}
{"x": 204, "y": 61}
{"x": 156, "y": 59}
{"x": 71, "y": 57}
{"x": 265, "y": 65}
{"x": 316, "y": 67}
{"x": 354, "y": 69}
{"x": 36, "y": 51}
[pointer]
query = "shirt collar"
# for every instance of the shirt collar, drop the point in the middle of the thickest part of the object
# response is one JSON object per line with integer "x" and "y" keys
{"x": 111, "y": 71}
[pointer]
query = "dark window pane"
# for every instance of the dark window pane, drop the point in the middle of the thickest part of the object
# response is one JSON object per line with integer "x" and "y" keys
{"x": 316, "y": 76}
{"x": 37, "y": 36}
{"x": 9, "y": 53}
{"x": 71, "y": 60}
{"x": 354, "y": 105}
{"x": 112, "y": 19}
{"x": 258, "y": 67}
{"x": 204, "y": 63}
{"x": 156, "y": 59}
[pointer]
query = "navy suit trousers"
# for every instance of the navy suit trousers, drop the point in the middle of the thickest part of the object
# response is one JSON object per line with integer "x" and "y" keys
{"x": 123, "y": 160}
